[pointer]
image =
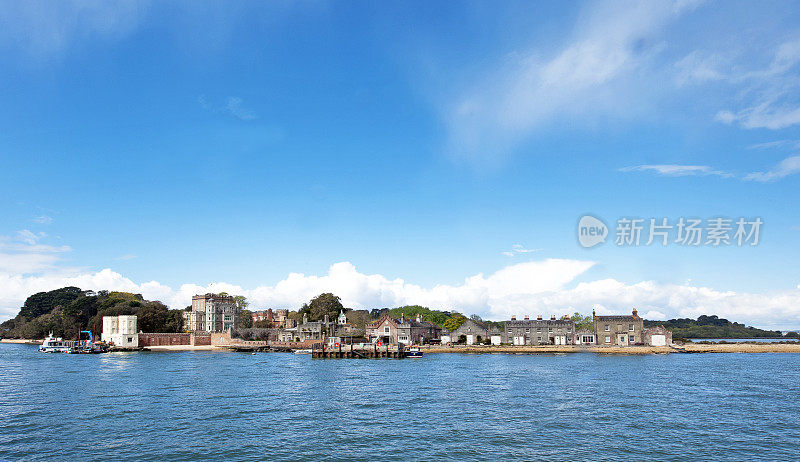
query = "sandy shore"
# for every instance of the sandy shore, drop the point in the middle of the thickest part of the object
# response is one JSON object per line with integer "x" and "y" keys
{"x": 742, "y": 348}
{"x": 632, "y": 350}
{"x": 26, "y": 341}
{"x": 185, "y": 348}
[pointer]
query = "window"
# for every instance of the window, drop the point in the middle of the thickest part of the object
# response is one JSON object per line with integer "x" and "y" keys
{"x": 386, "y": 329}
{"x": 608, "y": 327}
{"x": 630, "y": 326}
{"x": 538, "y": 339}
{"x": 608, "y": 338}
{"x": 632, "y": 339}
{"x": 527, "y": 331}
{"x": 549, "y": 329}
{"x": 539, "y": 330}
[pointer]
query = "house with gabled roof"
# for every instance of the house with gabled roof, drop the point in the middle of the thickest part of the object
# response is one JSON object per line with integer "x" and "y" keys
{"x": 403, "y": 330}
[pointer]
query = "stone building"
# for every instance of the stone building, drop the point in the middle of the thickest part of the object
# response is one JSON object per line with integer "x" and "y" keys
{"x": 211, "y": 313}
{"x": 618, "y": 330}
{"x": 318, "y": 330}
{"x": 472, "y": 332}
{"x": 540, "y": 331}
{"x": 277, "y": 318}
{"x": 120, "y": 330}
{"x": 403, "y": 330}
{"x": 657, "y": 336}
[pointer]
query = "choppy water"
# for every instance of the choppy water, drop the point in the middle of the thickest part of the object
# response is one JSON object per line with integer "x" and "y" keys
{"x": 232, "y": 406}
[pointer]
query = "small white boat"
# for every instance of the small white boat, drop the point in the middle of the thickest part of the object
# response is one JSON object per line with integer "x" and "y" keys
{"x": 55, "y": 345}
{"x": 413, "y": 352}
{"x": 302, "y": 352}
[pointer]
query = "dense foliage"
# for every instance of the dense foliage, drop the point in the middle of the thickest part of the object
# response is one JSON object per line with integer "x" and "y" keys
{"x": 68, "y": 310}
{"x": 582, "y": 322}
{"x": 711, "y": 327}
{"x": 411, "y": 311}
{"x": 321, "y": 305}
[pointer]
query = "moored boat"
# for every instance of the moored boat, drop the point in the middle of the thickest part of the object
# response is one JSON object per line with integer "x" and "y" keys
{"x": 55, "y": 345}
{"x": 413, "y": 352}
{"x": 303, "y": 351}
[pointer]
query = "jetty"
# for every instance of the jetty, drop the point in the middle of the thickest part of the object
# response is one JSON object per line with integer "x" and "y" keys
{"x": 358, "y": 350}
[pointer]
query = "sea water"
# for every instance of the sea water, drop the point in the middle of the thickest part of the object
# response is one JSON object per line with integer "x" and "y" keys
{"x": 271, "y": 406}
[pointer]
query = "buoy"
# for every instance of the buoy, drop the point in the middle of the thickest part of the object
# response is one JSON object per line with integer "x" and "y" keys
{"x": 336, "y": 344}
{"x": 380, "y": 344}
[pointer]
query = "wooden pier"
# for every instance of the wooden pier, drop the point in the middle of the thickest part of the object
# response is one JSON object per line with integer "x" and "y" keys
{"x": 358, "y": 350}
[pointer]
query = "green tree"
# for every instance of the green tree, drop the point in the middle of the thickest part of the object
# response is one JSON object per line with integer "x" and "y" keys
{"x": 321, "y": 305}
{"x": 454, "y": 322}
{"x": 245, "y": 319}
{"x": 582, "y": 322}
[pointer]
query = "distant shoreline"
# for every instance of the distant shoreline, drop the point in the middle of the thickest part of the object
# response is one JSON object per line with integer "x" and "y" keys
{"x": 546, "y": 349}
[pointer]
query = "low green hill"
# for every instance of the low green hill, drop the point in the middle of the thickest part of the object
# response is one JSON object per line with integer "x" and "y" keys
{"x": 712, "y": 327}
{"x": 68, "y": 310}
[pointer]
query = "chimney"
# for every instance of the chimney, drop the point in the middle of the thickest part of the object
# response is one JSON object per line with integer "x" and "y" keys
{"x": 419, "y": 317}
{"x": 635, "y": 313}
{"x": 526, "y": 317}
{"x": 403, "y": 318}
{"x": 552, "y": 317}
{"x": 513, "y": 317}
{"x": 325, "y": 319}
{"x": 592, "y": 313}
{"x": 305, "y": 318}
{"x": 539, "y": 318}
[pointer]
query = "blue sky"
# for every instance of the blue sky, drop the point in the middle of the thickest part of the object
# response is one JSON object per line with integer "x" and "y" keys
{"x": 397, "y": 153}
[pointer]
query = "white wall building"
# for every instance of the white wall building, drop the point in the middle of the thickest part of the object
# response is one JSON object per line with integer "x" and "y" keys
{"x": 120, "y": 330}
{"x": 211, "y": 313}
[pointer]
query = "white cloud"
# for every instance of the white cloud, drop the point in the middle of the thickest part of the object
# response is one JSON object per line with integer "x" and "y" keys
{"x": 44, "y": 29}
{"x": 24, "y": 254}
{"x": 788, "y": 166}
{"x": 126, "y": 257}
{"x": 676, "y": 170}
{"x": 769, "y": 94}
{"x": 586, "y": 77}
{"x": 778, "y": 144}
{"x": 539, "y": 287}
{"x": 518, "y": 249}
{"x": 234, "y": 107}
{"x": 698, "y": 68}
{"x": 29, "y": 237}
{"x": 43, "y": 220}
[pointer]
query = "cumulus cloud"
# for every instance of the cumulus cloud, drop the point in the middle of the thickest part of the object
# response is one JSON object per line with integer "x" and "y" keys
{"x": 536, "y": 287}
